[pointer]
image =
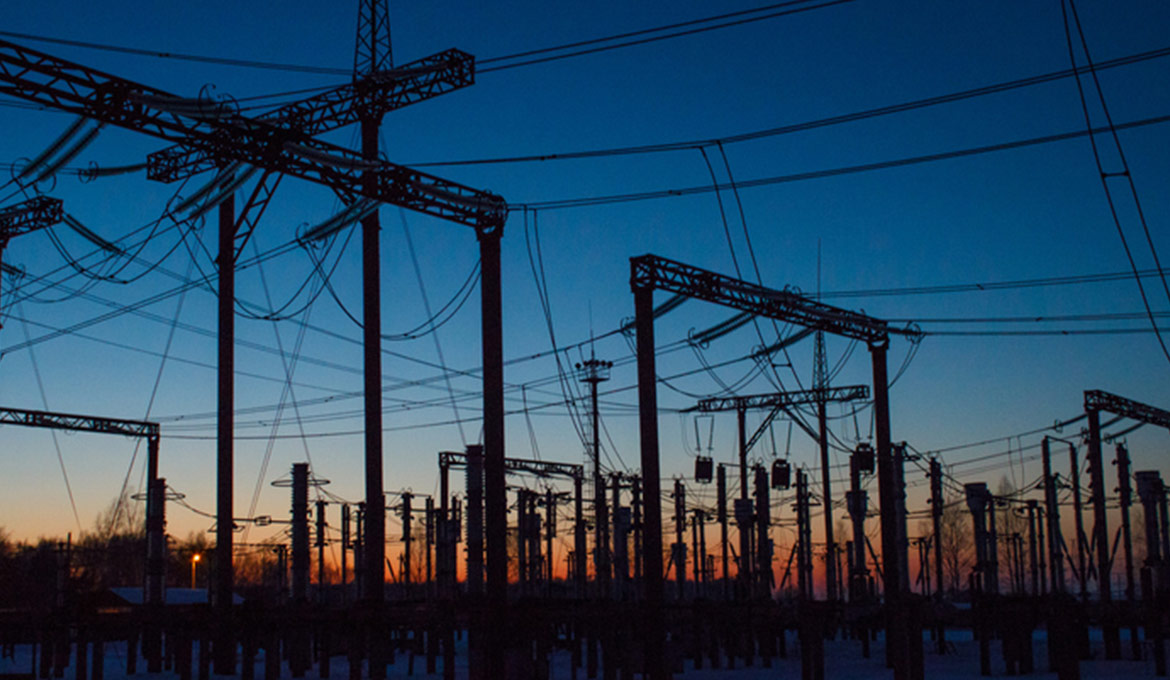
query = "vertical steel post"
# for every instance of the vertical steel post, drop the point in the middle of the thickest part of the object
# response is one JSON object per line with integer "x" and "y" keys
{"x": 221, "y": 594}
{"x": 895, "y": 551}
{"x": 721, "y": 517}
{"x": 374, "y": 545}
{"x": 430, "y": 542}
{"x": 763, "y": 528}
{"x": 345, "y": 547}
{"x": 321, "y": 551}
{"x": 827, "y": 493}
{"x": 1110, "y": 631}
{"x": 550, "y": 532}
{"x": 1055, "y": 550}
{"x": 620, "y": 560}
{"x": 652, "y": 581}
{"x": 155, "y": 527}
{"x": 579, "y": 548}
{"x": 1033, "y": 563}
{"x": 636, "y": 502}
{"x": 1082, "y": 568}
{"x": 742, "y": 518}
{"x": 474, "y": 519}
{"x": 857, "y": 502}
{"x": 300, "y": 532}
{"x": 407, "y": 538}
{"x": 1124, "y": 490}
{"x": 680, "y": 548}
{"x": 495, "y": 498}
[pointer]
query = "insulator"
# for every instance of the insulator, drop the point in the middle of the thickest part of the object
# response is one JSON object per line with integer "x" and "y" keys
{"x": 781, "y": 474}
{"x": 863, "y": 456}
{"x": 704, "y": 469}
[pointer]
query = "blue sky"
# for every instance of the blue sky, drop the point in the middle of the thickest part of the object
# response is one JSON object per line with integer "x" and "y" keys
{"x": 1032, "y": 212}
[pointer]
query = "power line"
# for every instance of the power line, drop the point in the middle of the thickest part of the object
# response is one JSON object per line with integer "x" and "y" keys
{"x": 612, "y": 199}
{"x": 805, "y": 126}
{"x": 592, "y": 45}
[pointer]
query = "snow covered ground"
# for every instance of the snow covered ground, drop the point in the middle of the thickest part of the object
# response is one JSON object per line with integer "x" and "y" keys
{"x": 842, "y": 660}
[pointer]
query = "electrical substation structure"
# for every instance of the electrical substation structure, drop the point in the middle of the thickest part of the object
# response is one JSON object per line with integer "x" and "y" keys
{"x": 649, "y": 273}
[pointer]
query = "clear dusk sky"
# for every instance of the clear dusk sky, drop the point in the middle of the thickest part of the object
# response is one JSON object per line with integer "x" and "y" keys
{"x": 89, "y": 333}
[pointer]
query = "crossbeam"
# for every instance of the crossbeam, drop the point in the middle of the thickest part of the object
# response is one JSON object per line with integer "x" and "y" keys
{"x": 344, "y": 105}
{"x": 78, "y": 423}
{"x": 659, "y": 273}
{"x": 456, "y": 459}
{"x": 35, "y": 213}
{"x": 214, "y": 129}
{"x": 781, "y": 399}
{"x": 777, "y": 402}
{"x": 1100, "y": 400}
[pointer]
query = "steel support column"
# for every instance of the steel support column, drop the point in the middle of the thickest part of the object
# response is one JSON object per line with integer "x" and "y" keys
{"x": 495, "y": 494}
{"x": 652, "y": 579}
{"x": 221, "y": 594}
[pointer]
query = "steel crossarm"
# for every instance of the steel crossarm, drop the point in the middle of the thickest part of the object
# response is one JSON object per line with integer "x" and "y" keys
{"x": 517, "y": 465}
{"x": 78, "y": 423}
{"x": 35, "y": 213}
{"x": 782, "y": 399}
{"x": 1099, "y": 400}
{"x": 659, "y": 273}
{"x": 344, "y": 105}
{"x": 216, "y": 130}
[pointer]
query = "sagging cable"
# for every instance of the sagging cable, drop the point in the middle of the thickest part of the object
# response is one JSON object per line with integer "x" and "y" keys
{"x": 704, "y": 338}
{"x": 670, "y": 305}
{"x": 56, "y": 146}
{"x": 353, "y": 213}
{"x": 89, "y": 235}
{"x": 796, "y": 337}
{"x": 69, "y": 154}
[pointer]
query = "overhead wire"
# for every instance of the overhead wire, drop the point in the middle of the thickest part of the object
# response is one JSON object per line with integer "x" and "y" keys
{"x": 1125, "y": 170}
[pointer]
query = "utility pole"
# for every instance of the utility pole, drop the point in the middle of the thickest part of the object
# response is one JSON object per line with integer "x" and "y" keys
{"x": 579, "y": 558}
{"x": 1052, "y": 511}
{"x": 1032, "y": 559}
{"x": 407, "y": 538}
{"x": 594, "y": 371}
{"x": 804, "y": 538}
{"x": 721, "y": 517}
{"x": 636, "y": 502}
{"x": 680, "y": 548}
{"x": 621, "y": 540}
{"x": 1152, "y": 493}
{"x": 862, "y": 460}
{"x": 1082, "y": 568}
{"x": 743, "y": 508}
{"x": 1124, "y": 490}
{"x": 300, "y": 532}
{"x": 345, "y": 547}
{"x": 320, "y": 545}
{"x": 936, "y": 513}
{"x": 1110, "y": 631}
{"x": 821, "y": 384}
{"x": 763, "y": 527}
{"x": 474, "y": 510}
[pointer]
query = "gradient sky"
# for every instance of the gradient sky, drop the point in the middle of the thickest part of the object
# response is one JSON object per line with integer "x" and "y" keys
{"x": 1037, "y": 211}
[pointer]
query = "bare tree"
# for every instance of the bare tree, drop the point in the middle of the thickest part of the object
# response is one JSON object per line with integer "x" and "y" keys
{"x": 957, "y": 542}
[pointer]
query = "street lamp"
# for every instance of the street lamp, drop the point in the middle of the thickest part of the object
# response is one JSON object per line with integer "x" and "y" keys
{"x": 194, "y": 560}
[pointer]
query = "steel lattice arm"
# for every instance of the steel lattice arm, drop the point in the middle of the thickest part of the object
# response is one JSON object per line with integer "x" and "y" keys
{"x": 781, "y": 399}
{"x": 1099, "y": 400}
{"x": 227, "y": 136}
{"x": 36, "y": 213}
{"x": 651, "y": 271}
{"x": 378, "y": 94}
{"x": 67, "y": 421}
{"x": 515, "y": 465}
